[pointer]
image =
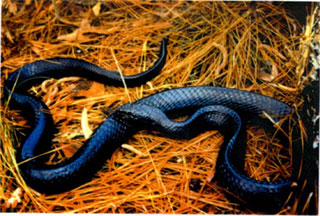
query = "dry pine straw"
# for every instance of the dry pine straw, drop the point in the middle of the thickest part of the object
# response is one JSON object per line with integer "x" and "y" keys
{"x": 247, "y": 46}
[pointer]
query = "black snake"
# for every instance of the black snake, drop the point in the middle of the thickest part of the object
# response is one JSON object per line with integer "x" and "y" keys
{"x": 208, "y": 108}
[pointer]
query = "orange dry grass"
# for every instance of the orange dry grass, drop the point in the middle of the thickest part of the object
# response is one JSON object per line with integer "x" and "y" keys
{"x": 246, "y": 46}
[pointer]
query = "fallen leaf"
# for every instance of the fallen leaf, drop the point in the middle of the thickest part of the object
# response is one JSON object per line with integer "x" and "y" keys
{"x": 12, "y": 6}
{"x": 78, "y": 34}
{"x": 96, "y": 9}
{"x": 84, "y": 123}
{"x": 96, "y": 89}
{"x": 269, "y": 77}
{"x": 85, "y": 27}
{"x": 27, "y": 2}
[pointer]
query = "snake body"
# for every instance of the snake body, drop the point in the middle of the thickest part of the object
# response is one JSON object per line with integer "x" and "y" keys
{"x": 208, "y": 108}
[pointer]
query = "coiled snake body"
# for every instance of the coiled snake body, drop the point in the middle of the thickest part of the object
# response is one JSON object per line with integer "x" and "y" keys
{"x": 208, "y": 108}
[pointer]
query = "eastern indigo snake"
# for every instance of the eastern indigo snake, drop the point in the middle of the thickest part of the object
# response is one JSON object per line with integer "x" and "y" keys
{"x": 208, "y": 108}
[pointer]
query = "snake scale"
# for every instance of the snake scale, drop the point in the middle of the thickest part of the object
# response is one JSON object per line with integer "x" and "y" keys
{"x": 208, "y": 108}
